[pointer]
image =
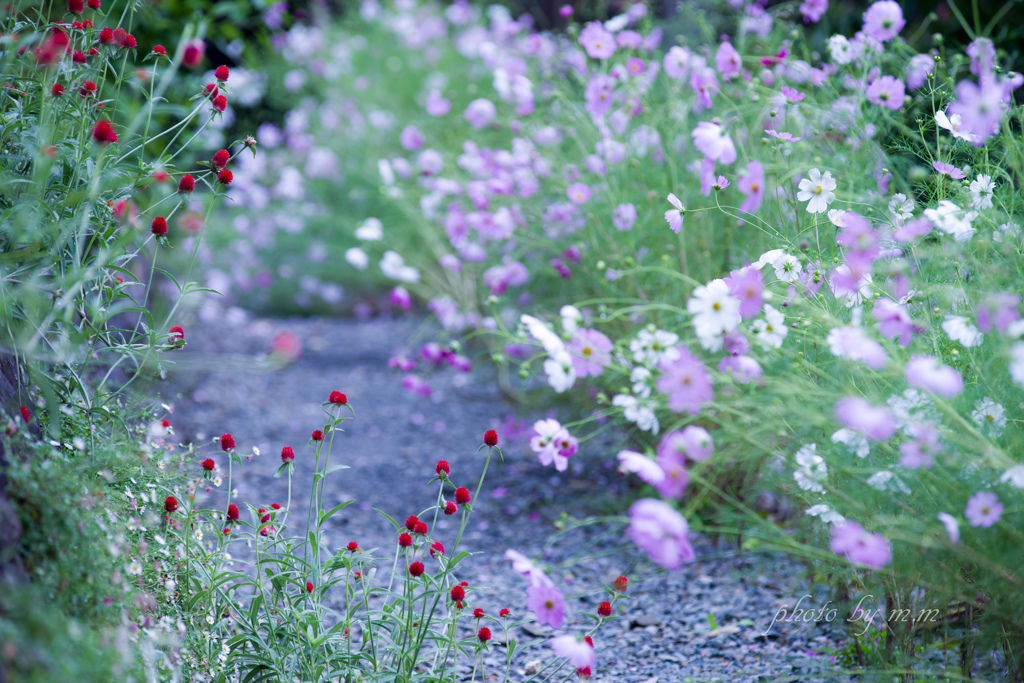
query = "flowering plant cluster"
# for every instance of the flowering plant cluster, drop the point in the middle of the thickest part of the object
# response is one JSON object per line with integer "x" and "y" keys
{"x": 269, "y": 596}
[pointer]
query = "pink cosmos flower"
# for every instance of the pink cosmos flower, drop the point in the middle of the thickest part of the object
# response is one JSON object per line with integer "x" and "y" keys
{"x": 635, "y": 66}
{"x": 437, "y": 104}
{"x": 624, "y": 216}
{"x": 874, "y": 422}
{"x": 982, "y": 52}
{"x": 983, "y": 509}
{"x": 553, "y": 444}
{"x": 676, "y": 479}
{"x": 743, "y": 369}
{"x": 675, "y": 216}
{"x": 747, "y": 285}
{"x": 926, "y": 372}
{"x": 752, "y": 185}
{"x": 998, "y": 310}
{"x": 884, "y": 20}
{"x": 411, "y": 138}
{"x": 591, "y": 352}
{"x": 788, "y": 137}
{"x": 921, "y": 449}
{"x": 711, "y": 140}
{"x": 704, "y": 84}
{"x": 850, "y": 540}
{"x": 853, "y": 344}
{"x": 685, "y": 382}
{"x": 599, "y": 43}
{"x": 641, "y": 465}
{"x": 401, "y": 297}
{"x": 980, "y": 107}
{"x": 661, "y": 532}
{"x": 893, "y": 320}
{"x": 480, "y": 112}
{"x": 792, "y": 94}
{"x": 676, "y": 62}
{"x": 579, "y": 193}
{"x": 813, "y": 10}
{"x": 887, "y": 91}
{"x": 599, "y": 94}
{"x": 727, "y": 60}
{"x": 911, "y": 230}
{"x": 918, "y": 69}
{"x": 577, "y": 650}
{"x": 547, "y": 603}
{"x": 948, "y": 170}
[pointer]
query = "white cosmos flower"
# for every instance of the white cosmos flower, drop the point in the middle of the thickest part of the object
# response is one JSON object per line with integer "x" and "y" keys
{"x": 357, "y": 258}
{"x": 825, "y": 513}
{"x": 714, "y": 309}
{"x": 561, "y": 375}
{"x": 887, "y": 481}
{"x": 641, "y": 379}
{"x": 542, "y": 333}
{"x": 855, "y": 441}
{"x": 1004, "y": 231}
{"x": 571, "y": 318}
{"x": 837, "y": 217}
{"x": 634, "y": 411}
{"x": 952, "y": 220}
{"x": 952, "y": 526}
{"x": 900, "y": 206}
{"x": 787, "y": 268}
{"x": 768, "y": 258}
{"x": 981, "y": 192}
{"x": 371, "y": 230}
{"x": 840, "y": 49}
{"x": 817, "y": 190}
{"x": 1014, "y": 476}
{"x": 772, "y": 330}
{"x": 393, "y": 266}
{"x": 990, "y": 417}
{"x": 954, "y": 124}
{"x": 811, "y": 469}
{"x": 642, "y": 466}
{"x": 962, "y": 330}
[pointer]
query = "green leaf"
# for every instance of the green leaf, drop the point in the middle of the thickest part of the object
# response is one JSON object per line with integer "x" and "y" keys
{"x": 335, "y": 468}
{"x": 324, "y": 516}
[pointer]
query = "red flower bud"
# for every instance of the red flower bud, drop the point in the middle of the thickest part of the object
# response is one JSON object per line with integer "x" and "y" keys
{"x": 309, "y": 586}
{"x": 410, "y": 522}
{"x": 159, "y": 226}
{"x": 78, "y": 57}
{"x": 160, "y": 50}
{"x": 416, "y": 569}
{"x": 220, "y": 103}
{"x": 478, "y": 613}
{"x": 57, "y": 90}
{"x": 170, "y": 504}
{"x": 192, "y": 56}
{"x": 442, "y": 469}
{"x": 227, "y": 531}
{"x": 129, "y": 42}
{"x": 76, "y": 6}
{"x": 93, "y": 4}
{"x": 621, "y": 584}
{"x": 87, "y": 89}
{"x": 338, "y": 398}
{"x": 491, "y": 437}
{"x": 211, "y": 90}
{"x": 227, "y": 443}
{"x": 187, "y": 184}
{"x": 353, "y": 546}
{"x": 163, "y": 423}
{"x": 484, "y": 634}
{"x": 405, "y": 540}
{"x": 222, "y": 73}
{"x": 450, "y": 508}
{"x": 317, "y": 435}
{"x": 458, "y": 593}
{"x": 462, "y": 495}
{"x": 232, "y": 513}
{"x": 437, "y": 547}
{"x": 604, "y": 609}
{"x": 119, "y": 35}
{"x": 221, "y": 158}
{"x": 287, "y": 454}
{"x": 209, "y": 465}
{"x": 504, "y": 612}
{"x": 225, "y": 177}
{"x": 103, "y": 132}
{"x": 584, "y": 673}
{"x": 25, "y": 414}
{"x": 421, "y": 528}
{"x": 177, "y": 334}
{"x": 106, "y": 36}
{"x": 275, "y": 506}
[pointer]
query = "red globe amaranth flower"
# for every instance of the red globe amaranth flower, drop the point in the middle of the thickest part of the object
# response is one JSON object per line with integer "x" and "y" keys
{"x": 106, "y": 36}
{"x": 87, "y": 89}
{"x": 187, "y": 184}
{"x": 504, "y": 612}
{"x": 484, "y": 634}
{"x": 620, "y": 584}
{"x": 462, "y": 495}
{"x": 161, "y": 176}
{"x": 309, "y": 586}
{"x": 227, "y": 443}
{"x": 337, "y": 398}
{"x": 160, "y": 50}
{"x": 442, "y": 469}
{"x": 211, "y": 90}
{"x": 458, "y": 605}
{"x": 119, "y": 35}
{"x": 177, "y": 334}
{"x": 129, "y": 42}
{"x": 227, "y": 531}
{"x": 410, "y": 522}
{"x": 159, "y": 226}
{"x": 57, "y": 90}
{"x": 584, "y": 673}
{"x": 458, "y": 593}
{"x": 478, "y": 613}
{"x": 225, "y": 177}
{"x": 357, "y": 575}
{"x": 287, "y": 454}
{"x": 421, "y": 528}
{"x": 209, "y": 465}
{"x": 265, "y": 516}
{"x": 93, "y": 51}
{"x": 353, "y": 546}
{"x": 491, "y": 438}
{"x": 163, "y": 423}
{"x": 232, "y": 513}
{"x": 170, "y": 504}
{"x": 220, "y": 103}
{"x": 78, "y": 57}
{"x": 590, "y": 641}
{"x": 436, "y": 547}
{"x": 221, "y": 158}
{"x": 604, "y": 609}
{"x": 405, "y": 540}
{"x": 103, "y": 132}
{"x": 193, "y": 54}
{"x": 317, "y": 435}
{"x": 93, "y": 4}
{"x": 76, "y": 6}
{"x": 416, "y": 569}
{"x": 275, "y": 506}
{"x": 450, "y": 508}
{"x": 25, "y": 414}
{"x": 222, "y": 73}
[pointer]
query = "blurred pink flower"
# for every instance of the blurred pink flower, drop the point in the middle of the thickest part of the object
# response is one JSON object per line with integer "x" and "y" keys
{"x": 850, "y": 540}
{"x": 661, "y": 532}
{"x": 286, "y": 345}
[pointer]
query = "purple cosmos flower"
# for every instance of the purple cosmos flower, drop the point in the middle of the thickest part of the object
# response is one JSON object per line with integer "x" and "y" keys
{"x": 676, "y": 62}
{"x": 980, "y": 107}
{"x": 711, "y": 140}
{"x": 547, "y": 603}
{"x": 983, "y": 509}
{"x": 883, "y": 20}
{"x": 598, "y": 43}
{"x": 911, "y": 230}
{"x": 727, "y": 60}
{"x": 685, "y": 382}
{"x": 918, "y": 69}
{"x": 661, "y": 532}
{"x": 743, "y": 369}
{"x": 595, "y": 164}
{"x": 629, "y": 40}
{"x": 851, "y": 343}
{"x": 673, "y": 484}
{"x": 813, "y": 10}
{"x": 635, "y": 66}
{"x": 747, "y": 285}
{"x": 857, "y": 234}
{"x": 788, "y": 137}
{"x": 983, "y": 56}
{"x": 697, "y": 443}
{"x": 893, "y": 320}
{"x": 675, "y": 216}
{"x": 599, "y": 94}
{"x": 578, "y": 651}
{"x": 998, "y": 310}
{"x": 624, "y": 216}
{"x": 792, "y": 94}
{"x": 591, "y": 352}
{"x": 926, "y": 372}
{"x": 579, "y": 193}
{"x": 752, "y": 185}
{"x": 874, "y": 422}
{"x": 921, "y": 450}
{"x": 430, "y": 162}
{"x": 887, "y": 91}
{"x": 704, "y": 84}
{"x": 437, "y": 104}
{"x": 948, "y": 170}
{"x": 401, "y": 297}
{"x": 480, "y": 112}
{"x": 411, "y": 138}
{"x": 850, "y": 540}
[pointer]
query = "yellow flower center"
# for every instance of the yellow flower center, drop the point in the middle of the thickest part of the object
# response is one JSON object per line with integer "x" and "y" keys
{"x": 818, "y": 189}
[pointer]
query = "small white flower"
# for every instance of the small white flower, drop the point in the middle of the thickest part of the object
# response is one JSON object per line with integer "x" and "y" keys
{"x": 840, "y": 49}
{"x": 255, "y": 451}
{"x": 990, "y": 417}
{"x": 210, "y": 619}
{"x": 952, "y": 526}
{"x": 393, "y": 266}
{"x": 641, "y": 379}
{"x": 817, "y": 190}
{"x": 561, "y": 375}
{"x": 714, "y": 309}
{"x": 772, "y": 330}
{"x": 825, "y": 513}
{"x": 787, "y": 268}
{"x": 952, "y": 220}
{"x": 633, "y": 411}
{"x": 652, "y": 346}
{"x": 901, "y": 206}
{"x": 954, "y": 124}
{"x": 357, "y": 258}
{"x": 981, "y": 192}
{"x": 855, "y": 441}
{"x": 371, "y": 230}
{"x": 198, "y": 535}
{"x": 1006, "y": 230}
{"x": 1014, "y": 476}
{"x": 571, "y": 318}
{"x": 217, "y": 481}
{"x": 887, "y": 481}
{"x": 135, "y": 568}
{"x": 960, "y": 329}
{"x": 811, "y": 469}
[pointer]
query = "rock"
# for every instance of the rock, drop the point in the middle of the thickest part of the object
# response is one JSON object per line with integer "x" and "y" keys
{"x": 724, "y": 631}
{"x": 644, "y": 620}
{"x": 534, "y": 667}
{"x": 536, "y": 630}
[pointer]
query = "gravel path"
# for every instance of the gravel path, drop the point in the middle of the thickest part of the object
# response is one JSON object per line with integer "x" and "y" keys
{"x": 223, "y": 383}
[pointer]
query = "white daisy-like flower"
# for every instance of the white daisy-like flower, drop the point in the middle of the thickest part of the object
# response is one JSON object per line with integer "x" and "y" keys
{"x": 837, "y": 217}
{"x": 885, "y": 480}
{"x": 714, "y": 309}
{"x": 652, "y": 346}
{"x": 198, "y": 535}
{"x": 841, "y": 50}
{"x": 561, "y": 375}
{"x": 641, "y": 379}
{"x": 855, "y": 441}
{"x": 952, "y": 220}
{"x": 981, "y": 192}
{"x": 811, "y": 469}
{"x": 1014, "y": 476}
{"x": 772, "y": 329}
{"x": 990, "y": 417}
{"x": 217, "y": 481}
{"x": 1005, "y": 232}
{"x": 787, "y": 268}
{"x": 634, "y": 411}
{"x": 954, "y": 124}
{"x": 825, "y": 514}
{"x": 135, "y": 568}
{"x": 961, "y": 329}
{"x": 255, "y": 451}
{"x": 210, "y": 619}
{"x": 817, "y": 190}
{"x": 571, "y": 319}
{"x": 901, "y": 206}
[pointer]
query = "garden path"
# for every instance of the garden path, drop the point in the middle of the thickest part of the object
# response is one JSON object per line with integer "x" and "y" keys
{"x": 223, "y": 382}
